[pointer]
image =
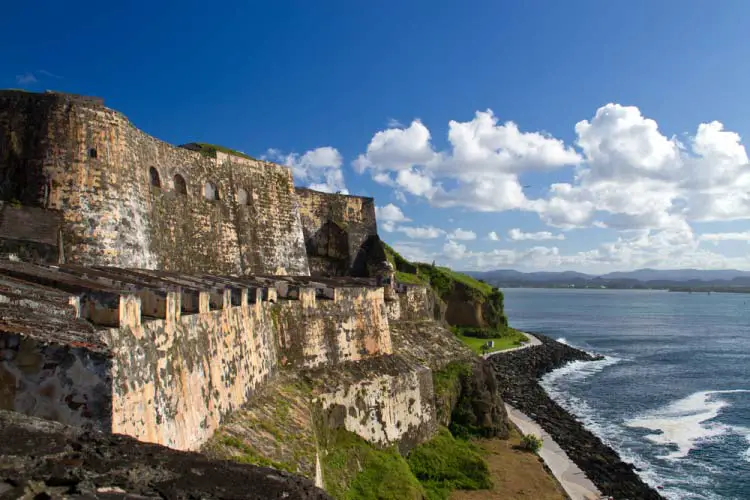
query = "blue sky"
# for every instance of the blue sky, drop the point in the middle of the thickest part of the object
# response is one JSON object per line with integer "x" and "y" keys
{"x": 614, "y": 139}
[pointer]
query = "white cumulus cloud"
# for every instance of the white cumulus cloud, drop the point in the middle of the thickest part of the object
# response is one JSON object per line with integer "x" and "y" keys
{"x": 422, "y": 233}
{"x": 320, "y": 168}
{"x": 516, "y": 234}
{"x": 493, "y": 236}
{"x": 717, "y": 237}
{"x": 628, "y": 174}
{"x": 484, "y": 162}
{"x": 462, "y": 234}
{"x": 388, "y": 216}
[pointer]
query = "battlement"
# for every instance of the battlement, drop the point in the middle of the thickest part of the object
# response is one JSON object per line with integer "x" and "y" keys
{"x": 165, "y": 356}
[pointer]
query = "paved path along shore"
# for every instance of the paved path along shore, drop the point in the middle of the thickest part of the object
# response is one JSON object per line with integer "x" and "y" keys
{"x": 571, "y": 477}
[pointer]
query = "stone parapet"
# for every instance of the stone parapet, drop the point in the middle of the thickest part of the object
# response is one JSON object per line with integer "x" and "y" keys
{"x": 165, "y": 357}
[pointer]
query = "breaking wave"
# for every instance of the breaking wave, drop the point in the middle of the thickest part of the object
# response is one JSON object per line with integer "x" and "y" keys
{"x": 687, "y": 422}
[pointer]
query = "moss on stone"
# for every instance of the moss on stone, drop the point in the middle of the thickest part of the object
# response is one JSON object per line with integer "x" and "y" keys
{"x": 275, "y": 429}
{"x": 210, "y": 150}
{"x": 248, "y": 455}
{"x": 447, "y": 386}
{"x": 354, "y": 469}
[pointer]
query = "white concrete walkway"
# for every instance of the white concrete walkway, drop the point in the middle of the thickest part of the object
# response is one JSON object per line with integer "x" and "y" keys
{"x": 571, "y": 478}
{"x": 532, "y": 342}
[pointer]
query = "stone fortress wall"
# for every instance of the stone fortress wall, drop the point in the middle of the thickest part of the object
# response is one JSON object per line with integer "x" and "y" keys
{"x": 130, "y": 200}
{"x": 340, "y": 231}
{"x": 151, "y": 290}
{"x": 165, "y": 357}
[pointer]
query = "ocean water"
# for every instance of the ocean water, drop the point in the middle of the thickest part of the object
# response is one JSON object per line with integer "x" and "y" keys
{"x": 673, "y": 394}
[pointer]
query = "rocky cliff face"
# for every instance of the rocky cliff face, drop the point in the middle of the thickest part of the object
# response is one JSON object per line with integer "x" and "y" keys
{"x": 468, "y": 306}
{"x": 43, "y": 459}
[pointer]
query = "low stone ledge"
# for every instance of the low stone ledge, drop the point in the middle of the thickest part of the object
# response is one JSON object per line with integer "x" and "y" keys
{"x": 43, "y": 459}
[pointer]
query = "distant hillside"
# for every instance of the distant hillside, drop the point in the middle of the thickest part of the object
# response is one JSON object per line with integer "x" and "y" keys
{"x": 682, "y": 279}
{"x": 678, "y": 274}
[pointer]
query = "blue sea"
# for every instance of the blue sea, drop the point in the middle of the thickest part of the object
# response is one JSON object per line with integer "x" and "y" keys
{"x": 673, "y": 394}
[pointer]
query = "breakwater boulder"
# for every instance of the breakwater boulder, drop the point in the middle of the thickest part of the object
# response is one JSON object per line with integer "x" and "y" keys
{"x": 518, "y": 374}
{"x": 44, "y": 459}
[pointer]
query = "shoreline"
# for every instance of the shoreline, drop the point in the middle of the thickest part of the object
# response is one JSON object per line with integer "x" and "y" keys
{"x": 518, "y": 372}
{"x": 569, "y": 476}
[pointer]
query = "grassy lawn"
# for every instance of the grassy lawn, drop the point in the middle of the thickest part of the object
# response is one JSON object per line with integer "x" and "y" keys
{"x": 512, "y": 339}
{"x": 515, "y": 474}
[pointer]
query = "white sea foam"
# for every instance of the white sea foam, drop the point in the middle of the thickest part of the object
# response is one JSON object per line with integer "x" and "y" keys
{"x": 687, "y": 422}
{"x": 576, "y": 371}
{"x": 563, "y": 340}
{"x": 678, "y": 482}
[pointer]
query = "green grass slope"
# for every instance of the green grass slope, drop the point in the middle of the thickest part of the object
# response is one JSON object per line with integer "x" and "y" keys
{"x": 444, "y": 282}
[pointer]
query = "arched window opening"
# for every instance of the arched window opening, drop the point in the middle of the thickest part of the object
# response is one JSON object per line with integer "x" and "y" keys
{"x": 210, "y": 191}
{"x": 242, "y": 197}
{"x": 180, "y": 186}
{"x": 154, "y": 175}
{"x": 92, "y": 153}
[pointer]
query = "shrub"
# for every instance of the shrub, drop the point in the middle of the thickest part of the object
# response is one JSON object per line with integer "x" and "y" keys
{"x": 354, "y": 469}
{"x": 531, "y": 443}
{"x": 445, "y": 463}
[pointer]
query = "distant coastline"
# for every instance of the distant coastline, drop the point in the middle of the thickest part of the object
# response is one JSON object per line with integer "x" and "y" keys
{"x": 677, "y": 280}
{"x": 682, "y": 289}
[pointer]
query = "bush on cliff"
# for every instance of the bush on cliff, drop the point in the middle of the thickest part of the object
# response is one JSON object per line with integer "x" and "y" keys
{"x": 531, "y": 442}
{"x": 354, "y": 469}
{"x": 445, "y": 463}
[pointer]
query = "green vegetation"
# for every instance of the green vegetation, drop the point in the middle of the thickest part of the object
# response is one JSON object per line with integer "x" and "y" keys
{"x": 447, "y": 386}
{"x": 410, "y": 279}
{"x": 211, "y": 149}
{"x": 531, "y": 443}
{"x": 447, "y": 379}
{"x": 354, "y": 469}
{"x": 445, "y": 463}
{"x": 248, "y": 455}
{"x": 514, "y": 338}
{"x": 275, "y": 430}
{"x": 444, "y": 283}
{"x": 467, "y": 280}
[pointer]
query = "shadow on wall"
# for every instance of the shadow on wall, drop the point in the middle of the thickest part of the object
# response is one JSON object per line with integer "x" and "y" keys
{"x": 328, "y": 251}
{"x": 72, "y": 385}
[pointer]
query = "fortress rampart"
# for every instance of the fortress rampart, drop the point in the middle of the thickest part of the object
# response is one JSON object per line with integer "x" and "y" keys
{"x": 152, "y": 290}
{"x": 165, "y": 357}
{"x": 130, "y": 200}
{"x": 340, "y": 232}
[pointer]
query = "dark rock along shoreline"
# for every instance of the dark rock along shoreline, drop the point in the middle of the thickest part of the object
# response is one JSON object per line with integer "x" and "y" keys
{"x": 518, "y": 374}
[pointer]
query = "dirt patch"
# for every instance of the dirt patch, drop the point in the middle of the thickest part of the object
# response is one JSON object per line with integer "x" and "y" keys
{"x": 515, "y": 474}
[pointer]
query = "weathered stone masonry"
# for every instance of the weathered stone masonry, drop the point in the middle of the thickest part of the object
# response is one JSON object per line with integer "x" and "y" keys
{"x": 339, "y": 232}
{"x": 150, "y": 290}
{"x": 119, "y": 192}
{"x": 165, "y": 357}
